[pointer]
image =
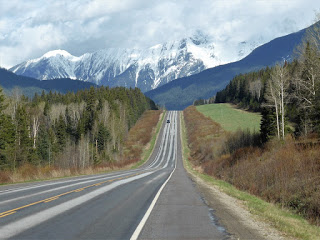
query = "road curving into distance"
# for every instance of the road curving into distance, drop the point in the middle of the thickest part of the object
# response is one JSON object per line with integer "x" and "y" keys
{"x": 155, "y": 201}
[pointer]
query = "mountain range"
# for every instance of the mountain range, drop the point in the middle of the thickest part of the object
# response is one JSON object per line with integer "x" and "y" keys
{"x": 182, "y": 92}
{"x": 29, "y": 86}
{"x": 173, "y": 74}
{"x": 146, "y": 69}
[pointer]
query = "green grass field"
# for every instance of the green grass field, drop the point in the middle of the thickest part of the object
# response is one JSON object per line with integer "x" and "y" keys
{"x": 230, "y": 118}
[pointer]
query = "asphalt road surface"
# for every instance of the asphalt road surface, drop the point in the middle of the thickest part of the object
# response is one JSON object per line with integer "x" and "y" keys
{"x": 155, "y": 201}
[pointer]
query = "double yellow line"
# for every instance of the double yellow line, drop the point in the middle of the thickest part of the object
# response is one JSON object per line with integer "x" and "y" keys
{"x": 12, "y": 211}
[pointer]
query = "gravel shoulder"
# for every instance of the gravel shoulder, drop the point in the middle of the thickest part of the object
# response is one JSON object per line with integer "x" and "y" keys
{"x": 233, "y": 215}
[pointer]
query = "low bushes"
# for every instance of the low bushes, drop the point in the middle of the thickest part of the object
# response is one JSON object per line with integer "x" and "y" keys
{"x": 286, "y": 173}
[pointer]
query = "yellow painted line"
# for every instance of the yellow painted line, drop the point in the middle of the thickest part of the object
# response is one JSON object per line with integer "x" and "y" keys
{"x": 9, "y": 212}
{"x": 1, "y": 216}
{"x": 50, "y": 199}
{"x": 14, "y": 210}
{"x": 62, "y": 194}
{"x": 79, "y": 190}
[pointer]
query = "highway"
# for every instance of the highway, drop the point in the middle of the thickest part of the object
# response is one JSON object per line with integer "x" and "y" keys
{"x": 155, "y": 201}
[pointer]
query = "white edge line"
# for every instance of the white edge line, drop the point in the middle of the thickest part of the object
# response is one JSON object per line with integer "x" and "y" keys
{"x": 136, "y": 233}
{"x": 143, "y": 221}
{"x": 16, "y": 227}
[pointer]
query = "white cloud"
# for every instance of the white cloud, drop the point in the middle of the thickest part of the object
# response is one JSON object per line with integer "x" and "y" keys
{"x": 28, "y": 29}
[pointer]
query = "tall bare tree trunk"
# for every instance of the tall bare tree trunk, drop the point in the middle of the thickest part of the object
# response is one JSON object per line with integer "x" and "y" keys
{"x": 282, "y": 110}
{"x": 277, "y": 118}
{"x": 35, "y": 128}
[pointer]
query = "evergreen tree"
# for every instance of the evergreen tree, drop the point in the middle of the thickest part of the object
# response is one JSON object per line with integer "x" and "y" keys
{"x": 46, "y": 108}
{"x": 7, "y": 135}
{"x": 61, "y": 133}
{"x": 103, "y": 137}
{"x": 268, "y": 125}
{"x": 70, "y": 128}
{"x": 65, "y": 118}
{"x": 23, "y": 142}
{"x": 2, "y": 105}
{"x": 89, "y": 114}
{"x": 43, "y": 144}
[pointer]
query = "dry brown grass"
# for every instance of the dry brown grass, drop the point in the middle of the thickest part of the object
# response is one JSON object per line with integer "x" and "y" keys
{"x": 139, "y": 136}
{"x": 202, "y": 135}
{"x": 284, "y": 173}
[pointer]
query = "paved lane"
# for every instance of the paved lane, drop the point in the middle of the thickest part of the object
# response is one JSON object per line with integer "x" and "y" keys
{"x": 180, "y": 212}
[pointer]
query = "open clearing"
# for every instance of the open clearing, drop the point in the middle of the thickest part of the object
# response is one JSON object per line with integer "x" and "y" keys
{"x": 230, "y": 118}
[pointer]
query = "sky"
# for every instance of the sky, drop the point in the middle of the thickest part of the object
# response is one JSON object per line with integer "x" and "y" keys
{"x": 30, "y": 28}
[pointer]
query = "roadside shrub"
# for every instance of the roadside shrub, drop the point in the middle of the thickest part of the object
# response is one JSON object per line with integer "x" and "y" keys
{"x": 241, "y": 139}
{"x": 286, "y": 173}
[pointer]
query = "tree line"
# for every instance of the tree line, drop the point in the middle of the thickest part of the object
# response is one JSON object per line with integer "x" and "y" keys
{"x": 72, "y": 130}
{"x": 287, "y": 94}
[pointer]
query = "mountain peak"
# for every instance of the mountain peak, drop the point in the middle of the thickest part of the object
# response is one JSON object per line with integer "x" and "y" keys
{"x": 54, "y": 53}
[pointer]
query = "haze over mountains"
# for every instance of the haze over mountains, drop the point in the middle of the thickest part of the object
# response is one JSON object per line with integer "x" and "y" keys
{"x": 146, "y": 69}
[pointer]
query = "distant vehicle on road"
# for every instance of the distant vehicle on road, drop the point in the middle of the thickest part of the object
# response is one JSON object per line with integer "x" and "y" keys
{"x": 168, "y": 121}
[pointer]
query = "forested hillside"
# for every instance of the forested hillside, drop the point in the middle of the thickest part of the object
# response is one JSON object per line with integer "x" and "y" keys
{"x": 245, "y": 90}
{"x": 288, "y": 94}
{"x": 75, "y": 130}
{"x": 29, "y": 86}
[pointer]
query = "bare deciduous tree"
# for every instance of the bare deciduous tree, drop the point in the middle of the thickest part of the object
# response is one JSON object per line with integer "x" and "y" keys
{"x": 276, "y": 96}
{"x": 255, "y": 88}
{"x": 307, "y": 75}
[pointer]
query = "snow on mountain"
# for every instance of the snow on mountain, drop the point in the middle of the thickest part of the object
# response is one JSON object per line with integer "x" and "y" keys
{"x": 144, "y": 68}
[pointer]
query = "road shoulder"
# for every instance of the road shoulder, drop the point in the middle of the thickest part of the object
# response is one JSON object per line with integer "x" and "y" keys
{"x": 233, "y": 215}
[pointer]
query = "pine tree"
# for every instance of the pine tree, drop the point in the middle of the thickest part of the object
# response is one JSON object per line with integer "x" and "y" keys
{"x": 268, "y": 125}
{"x": 46, "y": 108}
{"x": 7, "y": 135}
{"x": 2, "y": 105}
{"x": 70, "y": 128}
{"x": 43, "y": 144}
{"x": 103, "y": 137}
{"x": 89, "y": 114}
{"x": 7, "y": 139}
{"x": 23, "y": 142}
{"x": 61, "y": 133}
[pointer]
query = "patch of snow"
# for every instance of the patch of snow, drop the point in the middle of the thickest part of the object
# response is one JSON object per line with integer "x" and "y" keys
{"x": 54, "y": 53}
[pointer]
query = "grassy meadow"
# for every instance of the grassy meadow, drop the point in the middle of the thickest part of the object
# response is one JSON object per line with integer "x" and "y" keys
{"x": 230, "y": 118}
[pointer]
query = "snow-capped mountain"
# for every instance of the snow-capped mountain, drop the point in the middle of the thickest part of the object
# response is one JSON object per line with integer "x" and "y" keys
{"x": 143, "y": 68}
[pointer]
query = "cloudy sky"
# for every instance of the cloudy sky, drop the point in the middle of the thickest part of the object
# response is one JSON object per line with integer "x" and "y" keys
{"x": 30, "y": 28}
